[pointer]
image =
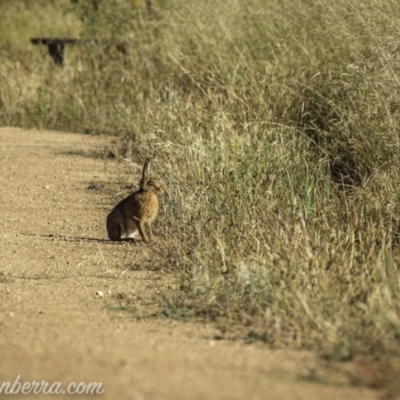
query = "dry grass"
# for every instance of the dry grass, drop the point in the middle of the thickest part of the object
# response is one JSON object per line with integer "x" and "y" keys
{"x": 276, "y": 128}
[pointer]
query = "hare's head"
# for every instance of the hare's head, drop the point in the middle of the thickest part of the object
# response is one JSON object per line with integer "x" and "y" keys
{"x": 148, "y": 183}
{"x": 152, "y": 185}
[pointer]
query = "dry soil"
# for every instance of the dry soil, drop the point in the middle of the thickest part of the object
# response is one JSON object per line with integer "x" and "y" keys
{"x": 54, "y": 325}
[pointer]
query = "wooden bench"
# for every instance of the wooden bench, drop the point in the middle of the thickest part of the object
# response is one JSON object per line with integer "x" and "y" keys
{"x": 56, "y": 46}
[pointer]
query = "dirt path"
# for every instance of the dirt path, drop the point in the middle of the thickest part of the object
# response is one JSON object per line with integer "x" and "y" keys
{"x": 53, "y": 326}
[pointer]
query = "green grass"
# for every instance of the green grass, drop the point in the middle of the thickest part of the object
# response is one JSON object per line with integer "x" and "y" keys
{"x": 275, "y": 125}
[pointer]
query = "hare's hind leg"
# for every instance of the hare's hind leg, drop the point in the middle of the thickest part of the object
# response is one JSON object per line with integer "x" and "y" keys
{"x": 114, "y": 231}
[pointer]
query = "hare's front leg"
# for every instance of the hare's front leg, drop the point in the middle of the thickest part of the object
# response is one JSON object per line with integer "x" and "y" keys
{"x": 150, "y": 231}
{"x": 140, "y": 225}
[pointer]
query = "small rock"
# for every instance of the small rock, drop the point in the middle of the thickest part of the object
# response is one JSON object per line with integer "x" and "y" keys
{"x": 99, "y": 293}
{"x": 47, "y": 187}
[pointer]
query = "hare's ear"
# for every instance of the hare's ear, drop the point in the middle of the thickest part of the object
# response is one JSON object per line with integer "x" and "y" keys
{"x": 145, "y": 167}
{"x": 144, "y": 172}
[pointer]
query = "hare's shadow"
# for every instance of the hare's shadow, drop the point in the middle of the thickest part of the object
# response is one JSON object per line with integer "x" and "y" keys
{"x": 81, "y": 238}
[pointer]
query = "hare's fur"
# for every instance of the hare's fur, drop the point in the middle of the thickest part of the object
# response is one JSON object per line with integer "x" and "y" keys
{"x": 136, "y": 211}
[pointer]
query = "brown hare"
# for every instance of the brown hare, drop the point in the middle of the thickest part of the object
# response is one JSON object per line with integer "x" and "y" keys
{"x": 131, "y": 214}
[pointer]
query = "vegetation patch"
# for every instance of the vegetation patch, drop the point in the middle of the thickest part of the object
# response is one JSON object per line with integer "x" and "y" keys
{"x": 275, "y": 126}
